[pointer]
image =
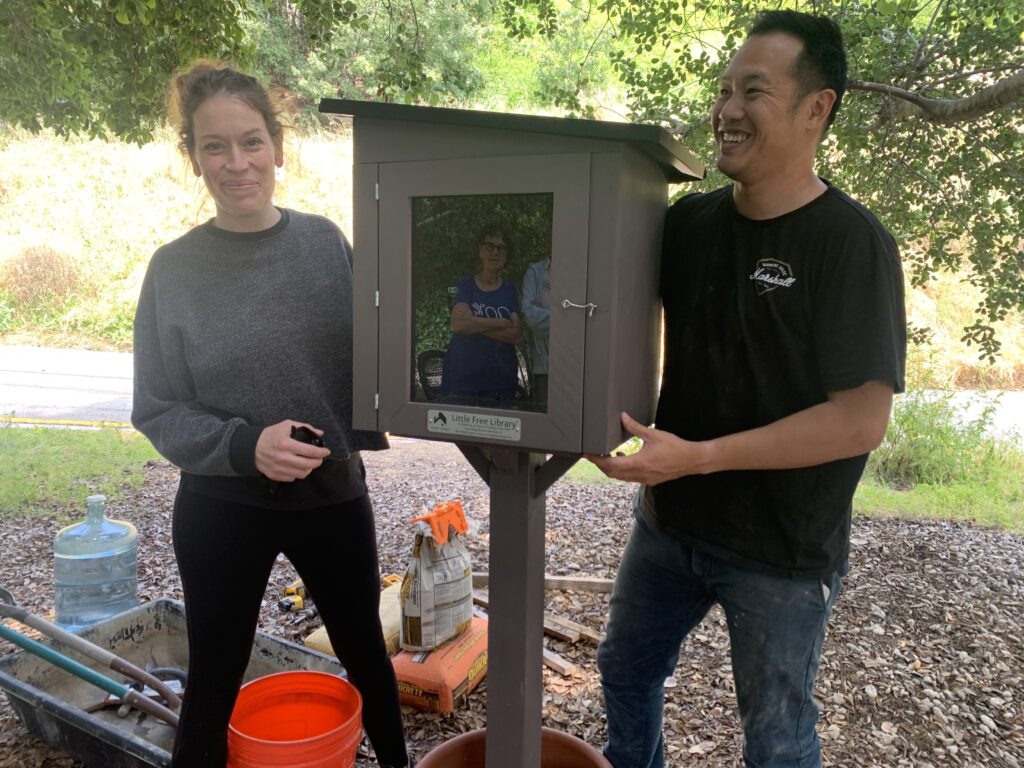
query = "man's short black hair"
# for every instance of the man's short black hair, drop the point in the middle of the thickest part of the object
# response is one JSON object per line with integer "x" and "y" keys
{"x": 822, "y": 63}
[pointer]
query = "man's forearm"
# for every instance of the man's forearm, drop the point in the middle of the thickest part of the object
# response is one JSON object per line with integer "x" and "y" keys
{"x": 850, "y": 423}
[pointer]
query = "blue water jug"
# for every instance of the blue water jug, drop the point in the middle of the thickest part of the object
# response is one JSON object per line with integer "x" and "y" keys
{"x": 94, "y": 569}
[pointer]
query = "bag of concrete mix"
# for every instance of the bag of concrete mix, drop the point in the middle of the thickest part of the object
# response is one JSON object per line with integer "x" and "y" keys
{"x": 437, "y": 590}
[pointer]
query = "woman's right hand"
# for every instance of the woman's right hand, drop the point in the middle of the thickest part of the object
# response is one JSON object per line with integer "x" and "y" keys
{"x": 280, "y": 457}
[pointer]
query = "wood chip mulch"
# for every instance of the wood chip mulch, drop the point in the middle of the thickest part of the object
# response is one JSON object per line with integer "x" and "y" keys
{"x": 923, "y": 664}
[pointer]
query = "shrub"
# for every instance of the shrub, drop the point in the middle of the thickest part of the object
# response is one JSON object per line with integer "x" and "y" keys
{"x": 932, "y": 440}
{"x": 40, "y": 278}
{"x": 7, "y": 314}
{"x": 113, "y": 324}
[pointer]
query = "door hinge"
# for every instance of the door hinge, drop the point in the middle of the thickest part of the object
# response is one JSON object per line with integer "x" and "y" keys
{"x": 376, "y": 298}
{"x": 376, "y": 401}
{"x": 376, "y": 190}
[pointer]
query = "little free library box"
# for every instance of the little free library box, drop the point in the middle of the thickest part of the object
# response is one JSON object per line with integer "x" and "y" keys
{"x": 464, "y": 223}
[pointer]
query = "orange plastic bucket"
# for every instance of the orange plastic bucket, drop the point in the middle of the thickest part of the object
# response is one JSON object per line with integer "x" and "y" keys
{"x": 297, "y": 719}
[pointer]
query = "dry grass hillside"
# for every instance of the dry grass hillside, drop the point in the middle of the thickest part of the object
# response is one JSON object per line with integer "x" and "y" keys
{"x": 79, "y": 220}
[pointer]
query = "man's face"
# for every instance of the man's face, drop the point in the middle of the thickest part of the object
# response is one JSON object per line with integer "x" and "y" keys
{"x": 755, "y": 119}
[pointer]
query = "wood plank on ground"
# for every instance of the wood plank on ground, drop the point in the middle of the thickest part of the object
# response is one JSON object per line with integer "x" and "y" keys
{"x": 589, "y": 634}
{"x": 577, "y": 583}
{"x": 557, "y": 663}
{"x": 556, "y": 626}
{"x": 558, "y": 630}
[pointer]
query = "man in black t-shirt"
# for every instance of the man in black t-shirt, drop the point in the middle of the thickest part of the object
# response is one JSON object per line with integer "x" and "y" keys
{"x": 785, "y": 341}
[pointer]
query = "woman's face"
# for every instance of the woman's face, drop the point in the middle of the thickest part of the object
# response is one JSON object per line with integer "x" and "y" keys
{"x": 236, "y": 155}
{"x": 493, "y": 253}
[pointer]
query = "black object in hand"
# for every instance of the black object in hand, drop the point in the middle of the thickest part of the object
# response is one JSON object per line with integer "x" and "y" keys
{"x": 307, "y": 435}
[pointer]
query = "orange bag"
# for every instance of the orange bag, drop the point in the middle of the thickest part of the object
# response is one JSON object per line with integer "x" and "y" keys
{"x": 437, "y": 680}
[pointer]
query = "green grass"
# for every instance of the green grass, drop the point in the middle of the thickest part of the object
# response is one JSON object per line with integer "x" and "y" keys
{"x": 938, "y": 464}
{"x": 47, "y": 471}
{"x": 585, "y": 472}
{"x": 998, "y": 504}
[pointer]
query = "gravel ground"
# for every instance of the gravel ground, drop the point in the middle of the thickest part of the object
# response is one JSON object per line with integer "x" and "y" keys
{"x": 923, "y": 663}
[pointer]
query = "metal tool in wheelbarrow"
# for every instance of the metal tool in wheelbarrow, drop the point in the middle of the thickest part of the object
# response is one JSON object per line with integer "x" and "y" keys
{"x": 9, "y": 608}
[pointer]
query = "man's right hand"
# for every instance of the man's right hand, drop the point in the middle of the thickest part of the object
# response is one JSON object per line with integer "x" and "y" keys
{"x": 663, "y": 457}
{"x": 280, "y": 457}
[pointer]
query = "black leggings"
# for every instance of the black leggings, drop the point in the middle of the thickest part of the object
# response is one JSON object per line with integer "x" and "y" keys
{"x": 225, "y": 552}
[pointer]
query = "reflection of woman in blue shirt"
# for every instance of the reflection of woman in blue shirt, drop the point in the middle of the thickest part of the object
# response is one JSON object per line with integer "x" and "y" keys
{"x": 481, "y": 363}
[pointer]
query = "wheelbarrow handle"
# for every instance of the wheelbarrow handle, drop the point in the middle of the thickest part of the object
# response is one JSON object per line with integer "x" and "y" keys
{"x": 90, "y": 650}
{"x": 126, "y": 694}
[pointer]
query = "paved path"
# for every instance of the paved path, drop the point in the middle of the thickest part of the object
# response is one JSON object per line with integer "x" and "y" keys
{"x": 1008, "y": 411}
{"x": 65, "y": 386}
{"x": 81, "y": 388}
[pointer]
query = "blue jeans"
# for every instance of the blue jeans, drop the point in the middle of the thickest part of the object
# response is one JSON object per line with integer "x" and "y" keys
{"x": 776, "y": 627}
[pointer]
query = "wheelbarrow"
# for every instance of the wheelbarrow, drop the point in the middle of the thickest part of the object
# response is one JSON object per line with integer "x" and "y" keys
{"x": 61, "y": 709}
{"x": 125, "y": 694}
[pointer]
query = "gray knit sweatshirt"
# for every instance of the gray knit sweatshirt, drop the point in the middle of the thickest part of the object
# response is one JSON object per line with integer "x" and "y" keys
{"x": 235, "y": 332}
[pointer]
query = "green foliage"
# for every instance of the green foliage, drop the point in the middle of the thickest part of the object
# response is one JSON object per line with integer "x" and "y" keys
{"x": 89, "y": 66}
{"x": 933, "y": 441}
{"x": 940, "y": 462}
{"x": 39, "y": 478}
{"x": 8, "y": 314}
{"x": 115, "y": 326}
{"x": 93, "y": 66}
{"x": 381, "y": 51}
{"x": 944, "y": 175}
{"x": 116, "y": 203}
{"x": 559, "y": 52}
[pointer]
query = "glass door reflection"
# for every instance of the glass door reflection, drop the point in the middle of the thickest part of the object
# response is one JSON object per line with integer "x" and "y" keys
{"x": 481, "y": 281}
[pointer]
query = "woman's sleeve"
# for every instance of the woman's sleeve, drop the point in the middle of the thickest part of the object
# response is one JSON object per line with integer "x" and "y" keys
{"x": 464, "y": 292}
{"x": 164, "y": 408}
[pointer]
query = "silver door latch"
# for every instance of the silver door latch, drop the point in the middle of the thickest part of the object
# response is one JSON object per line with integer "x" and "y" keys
{"x": 590, "y": 307}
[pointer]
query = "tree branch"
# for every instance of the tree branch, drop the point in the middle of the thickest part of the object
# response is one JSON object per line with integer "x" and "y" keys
{"x": 919, "y": 64}
{"x": 949, "y": 111}
{"x": 972, "y": 73}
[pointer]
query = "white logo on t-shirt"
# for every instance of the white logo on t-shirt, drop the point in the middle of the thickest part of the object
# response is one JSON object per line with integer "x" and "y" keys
{"x": 483, "y": 310}
{"x": 770, "y": 274}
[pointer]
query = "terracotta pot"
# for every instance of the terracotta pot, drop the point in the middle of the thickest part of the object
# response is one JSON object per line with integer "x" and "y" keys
{"x": 557, "y": 750}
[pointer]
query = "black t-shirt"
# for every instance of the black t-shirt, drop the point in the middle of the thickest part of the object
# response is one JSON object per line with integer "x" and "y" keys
{"x": 763, "y": 319}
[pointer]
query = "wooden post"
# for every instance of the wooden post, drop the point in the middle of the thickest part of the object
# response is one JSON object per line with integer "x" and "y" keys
{"x": 515, "y": 679}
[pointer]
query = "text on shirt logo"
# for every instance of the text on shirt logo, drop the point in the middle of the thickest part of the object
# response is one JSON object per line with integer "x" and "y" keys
{"x": 770, "y": 274}
{"x": 484, "y": 310}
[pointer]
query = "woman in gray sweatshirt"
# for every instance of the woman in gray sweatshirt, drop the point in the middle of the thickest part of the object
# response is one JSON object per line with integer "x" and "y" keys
{"x": 243, "y": 334}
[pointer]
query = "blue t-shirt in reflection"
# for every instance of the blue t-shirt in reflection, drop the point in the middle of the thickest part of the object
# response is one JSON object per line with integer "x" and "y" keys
{"x": 476, "y": 365}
